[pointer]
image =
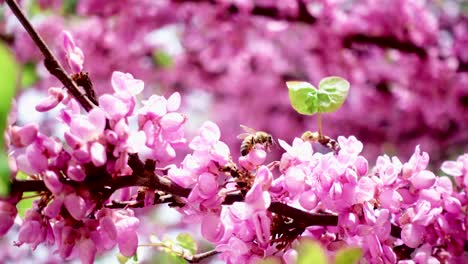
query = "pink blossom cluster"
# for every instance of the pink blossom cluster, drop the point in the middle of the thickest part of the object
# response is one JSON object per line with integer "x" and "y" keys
{"x": 92, "y": 151}
{"x": 401, "y": 57}
{"x": 429, "y": 209}
{"x": 384, "y": 209}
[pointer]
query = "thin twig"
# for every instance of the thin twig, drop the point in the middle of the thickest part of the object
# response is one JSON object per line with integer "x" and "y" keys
{"x": 51, "y": 62}
{"x": 199, "y": 257}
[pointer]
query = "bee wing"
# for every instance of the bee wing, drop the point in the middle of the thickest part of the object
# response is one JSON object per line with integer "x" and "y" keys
{"x": 243, "y": 135}
{"x": 248, "y": 129}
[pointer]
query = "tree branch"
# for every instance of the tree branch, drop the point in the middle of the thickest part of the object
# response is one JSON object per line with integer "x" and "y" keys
{"x": 50, "y": 62}
{"x": 302, "y": 14}
{"x": 385, "y": 42}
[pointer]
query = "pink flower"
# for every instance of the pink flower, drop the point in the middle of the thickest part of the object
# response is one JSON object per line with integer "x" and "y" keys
{"x": 74, "y": 54}
{"x": 7, "y": 217}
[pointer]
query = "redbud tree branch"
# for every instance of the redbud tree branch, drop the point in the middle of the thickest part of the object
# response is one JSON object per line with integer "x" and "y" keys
{"x": 50, "y": 62}
{"x": 304, "y": 16}
{"x": 157, "y": 182}
{"x": 270, "y": 12}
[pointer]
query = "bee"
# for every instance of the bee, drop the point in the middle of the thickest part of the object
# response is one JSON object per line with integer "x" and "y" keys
{"x": 324, "y": 140}
{"x": 252, "y": 137}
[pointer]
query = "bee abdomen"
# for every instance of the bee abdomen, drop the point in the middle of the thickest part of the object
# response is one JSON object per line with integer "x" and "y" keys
{"x": 247, "y": 145}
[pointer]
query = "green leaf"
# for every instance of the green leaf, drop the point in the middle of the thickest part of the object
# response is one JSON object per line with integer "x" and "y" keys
{"x": 122, "y": 259}
{"x": 9, "y": 73}
{"x": 310, "y": 252}
{"x": 162, "y": 59}
{"x": 8, "y": 80}
{"x": 5, "y": 183}
{"x": 29, "y": 75}
{"x": 69, "y": 6}
{"x": 348, "y": 256}
{"x": 25, "y": 204}
{"x": 332, "y": 93}
{"x": 127, "y": 260}
{"x": 303, "y": 97}
{"x": 168, "y": 258}
{"x": 34, "y": 9}
{"x": 187, "y": 242}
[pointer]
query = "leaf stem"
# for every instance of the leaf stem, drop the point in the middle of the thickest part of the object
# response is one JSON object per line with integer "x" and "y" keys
{"x": 319, "y": 123}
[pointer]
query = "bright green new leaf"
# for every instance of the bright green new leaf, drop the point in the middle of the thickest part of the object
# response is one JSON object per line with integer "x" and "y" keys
{"x": 162, "y": 59}
{"x": 310, "y": 252}
{"x": 303, "y": 97}
{"x": 348, "y": 256}
{"x": 28, "y": 75}
{"x": 168, "y": 258}
{"x": 187, "y": 242}
{"x": 308, "y": 100}
{"x": 332, "y": 93}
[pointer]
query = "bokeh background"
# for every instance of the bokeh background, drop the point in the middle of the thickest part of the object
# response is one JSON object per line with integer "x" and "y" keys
{"x": 406, "y": 60}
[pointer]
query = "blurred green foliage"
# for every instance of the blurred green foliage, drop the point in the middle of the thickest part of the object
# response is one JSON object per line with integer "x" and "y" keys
{"x": 8, "y": 82}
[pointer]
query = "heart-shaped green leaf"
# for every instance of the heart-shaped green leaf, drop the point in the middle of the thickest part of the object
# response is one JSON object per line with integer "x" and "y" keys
{"x": 332, "y": 93}
{"x": 303, "y": 97}
{"x": 308, "y": 100}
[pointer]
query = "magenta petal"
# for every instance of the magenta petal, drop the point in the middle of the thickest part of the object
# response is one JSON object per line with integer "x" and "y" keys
{"x": 173, "y": 102}
{"x": 47, "y": 104}
{"x": 108, "y": 226}
{"x": 52, "y": 181}
{"x": 23, "y": 136}
{"x": 423, "y": 180}
{"x": 210, "y": 132}
{"x": 68, "y": 41}
{"x": 7, "y": 216}
{"x": 75, "y": 205}
{"x": 172, "y": 121}
{"x": 113, "y": 106}
{"x": 128, "y": 243}
{"x": 452, "y": 205}
{"x": 87, "y": 251}
{"x": 412, "y": 235}
{"x": 452, "y": 168}
{"x": 207, "y": 185}
{"x": 308, "y": 200}
{"x": 53, "y": 208}
{"x": 125, "y": 85}
{"x": 29, "y": 232}
{"x": 76, "y": 173}
{"x": 220, "y": 153}
{"x": 98, "y": 154}
{"x": 295, "y": 180}
{"x": 38, "y": 161}
{"x": 257, "y": 156}
{"x": 211, "y": 228}
{"x": 262, "y": 228}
